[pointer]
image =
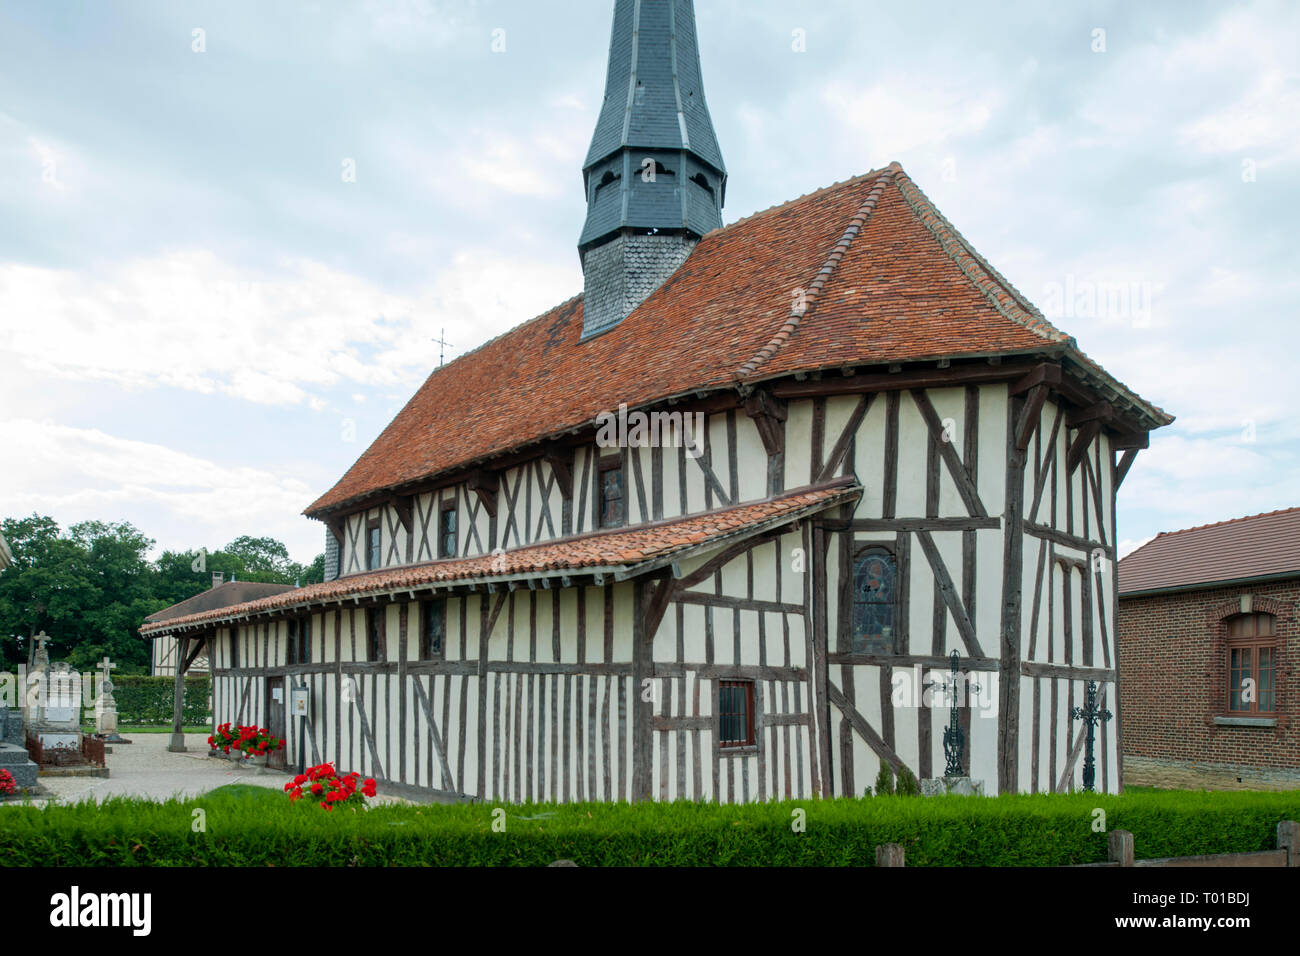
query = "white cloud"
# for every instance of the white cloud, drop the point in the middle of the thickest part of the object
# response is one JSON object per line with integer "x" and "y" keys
{"x": 183, "y": 500}
{"x": 189, "y": 320}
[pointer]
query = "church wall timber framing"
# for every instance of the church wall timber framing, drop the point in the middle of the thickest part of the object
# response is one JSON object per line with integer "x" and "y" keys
{"x": 541, "y": 692}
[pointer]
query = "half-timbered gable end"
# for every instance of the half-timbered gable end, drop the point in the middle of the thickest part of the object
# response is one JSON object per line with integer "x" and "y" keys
{"x": 724, "y": 548}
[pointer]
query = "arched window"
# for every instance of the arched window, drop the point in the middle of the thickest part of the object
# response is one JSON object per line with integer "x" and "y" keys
{"x": 875, "y": 592}
{"x": 1252, "y": 664}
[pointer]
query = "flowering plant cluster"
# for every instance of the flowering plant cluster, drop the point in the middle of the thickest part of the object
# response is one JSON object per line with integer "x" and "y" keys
{"x": 324, "y": 783}
{"x": 251, "y": 741}
{"x": 8, "y": 786}
{"x": 224, "y": 739}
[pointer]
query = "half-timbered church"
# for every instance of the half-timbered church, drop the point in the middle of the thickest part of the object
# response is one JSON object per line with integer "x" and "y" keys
{"x": 711, "y": 529}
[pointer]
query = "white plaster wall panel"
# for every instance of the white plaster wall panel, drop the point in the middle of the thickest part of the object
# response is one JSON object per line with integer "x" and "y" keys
{"x": 912, "y": 441}
{"x": 991, "y": 479}
{"x": 798, "y": 452}
{"x": 751, "y": 458}
{"x": 950, "y": 405}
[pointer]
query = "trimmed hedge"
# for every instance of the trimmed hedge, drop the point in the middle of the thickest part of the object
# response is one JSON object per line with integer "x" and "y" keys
{"x": 148, "y": 700}
{"x": 252, "y": 826}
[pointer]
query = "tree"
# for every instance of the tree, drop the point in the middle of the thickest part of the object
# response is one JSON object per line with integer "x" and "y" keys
{"x": 262, "y": 556}
{"x": 90, "y": 588}
{"x": 314, "y": 573}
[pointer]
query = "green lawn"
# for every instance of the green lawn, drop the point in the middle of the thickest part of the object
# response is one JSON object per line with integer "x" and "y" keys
{"x": 242, "y": 825}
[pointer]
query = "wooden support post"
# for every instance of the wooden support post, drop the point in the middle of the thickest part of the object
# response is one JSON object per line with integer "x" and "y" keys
{"x": 890, "y": 854}
{"x": 1125, "y": 463}
{"x": 177, "y": 744}
{"x": 1120, "y": 847}
{"x": 1288, "y": 838}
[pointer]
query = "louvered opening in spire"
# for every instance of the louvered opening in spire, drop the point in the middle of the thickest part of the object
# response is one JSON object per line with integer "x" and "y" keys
{"x": 654, "y": 177}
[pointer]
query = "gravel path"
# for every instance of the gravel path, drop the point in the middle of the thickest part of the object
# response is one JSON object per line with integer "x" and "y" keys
{"x": 145, "y": 768}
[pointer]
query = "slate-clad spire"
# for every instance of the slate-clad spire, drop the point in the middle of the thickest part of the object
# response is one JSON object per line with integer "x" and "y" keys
{"x": 654, "y": 175}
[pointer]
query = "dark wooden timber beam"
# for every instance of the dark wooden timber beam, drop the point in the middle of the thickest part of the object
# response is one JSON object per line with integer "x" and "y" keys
{"x": 1079, "y": 447}
{"x": 1125, "y": 463}
{"x": 769, "y": 415}
{"x": 561, "y": 461}
{"x": 1098, "y": 411}
{"x": 177, "y": 743}
{"x": 1031, "y": 414}
{"x": 658, "y": 594}
{"x": 1048, "y": 373}
{"x": 485, "y": 483}
{"x": 1133, "y": 440}
{"x": 337, "y": 525}
{"x": 199, "y": 644}
{"x": 403, "y": 505}
{"x": 888, "y": 381}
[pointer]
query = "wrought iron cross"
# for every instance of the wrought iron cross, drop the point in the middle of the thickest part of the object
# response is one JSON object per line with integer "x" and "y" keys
{"x": 1091, "y": 716}
{"x": 442, "y": 344}
{"x": 954, "y": 739}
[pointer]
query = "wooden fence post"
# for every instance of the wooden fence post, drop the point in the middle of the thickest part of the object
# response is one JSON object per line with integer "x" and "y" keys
{"x": 1120, "y": 846}
{"x": 890, "y": 854}
{"x": 1288, "y": 838}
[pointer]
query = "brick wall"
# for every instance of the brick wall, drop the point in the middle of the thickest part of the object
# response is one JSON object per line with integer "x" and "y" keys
{"x": 1173, "y": 683}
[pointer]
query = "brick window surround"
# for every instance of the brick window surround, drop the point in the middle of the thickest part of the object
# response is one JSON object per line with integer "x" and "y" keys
{"x": 1218, "y": 619}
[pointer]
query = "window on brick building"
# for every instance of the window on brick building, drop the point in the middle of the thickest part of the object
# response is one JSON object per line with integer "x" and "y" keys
{"x": 1252, "y": 665}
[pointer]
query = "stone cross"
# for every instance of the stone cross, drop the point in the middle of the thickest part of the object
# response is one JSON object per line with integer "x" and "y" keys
{"x": 105, "y": 705}
{"x": 41, "y": 659}
{"x": 1091, "y": 715}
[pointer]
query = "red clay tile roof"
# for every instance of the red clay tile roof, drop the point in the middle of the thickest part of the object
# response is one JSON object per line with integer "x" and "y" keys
{"x": 613, "y": 552}
{"x": 886, "y": 280}
{"x": 1255, "y": 546}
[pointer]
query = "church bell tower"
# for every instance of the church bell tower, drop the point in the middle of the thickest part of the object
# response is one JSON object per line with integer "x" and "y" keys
{"x": 654, "y": 176}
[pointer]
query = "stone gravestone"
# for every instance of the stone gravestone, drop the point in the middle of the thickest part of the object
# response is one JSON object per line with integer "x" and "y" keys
{"x": 105, "y": 705}
{"x": 52, "y": 705}
{"x": 13, "y": 753}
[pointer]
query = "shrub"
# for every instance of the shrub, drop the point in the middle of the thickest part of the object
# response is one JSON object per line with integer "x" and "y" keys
{"x": 252, "y": 826}
{"x": 8, "y": 786}
{"x": 884, "y": 780}
{"x": 149, "y": 700}
{"x": 907, "y": 785}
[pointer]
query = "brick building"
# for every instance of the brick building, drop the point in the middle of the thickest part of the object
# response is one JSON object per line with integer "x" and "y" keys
{"x": 1208, "y": 647}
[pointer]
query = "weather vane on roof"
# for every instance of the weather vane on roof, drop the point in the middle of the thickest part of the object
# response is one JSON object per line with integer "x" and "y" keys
{"x": 442, "y": 344}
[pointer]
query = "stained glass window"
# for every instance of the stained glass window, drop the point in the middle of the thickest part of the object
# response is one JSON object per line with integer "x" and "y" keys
{"x": 447, "y": 533}
{"x": 612, "y": 511}
{"x": 875, "y": 588}
{"x": 433, "y": 630}
{"x": 375, "y": 634}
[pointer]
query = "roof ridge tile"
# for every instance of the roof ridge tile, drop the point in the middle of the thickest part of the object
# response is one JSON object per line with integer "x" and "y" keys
{"x": 1001, "y": 294}
{"x": 824, "y": 274}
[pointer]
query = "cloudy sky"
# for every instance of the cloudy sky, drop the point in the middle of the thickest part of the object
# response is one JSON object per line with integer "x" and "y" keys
{"x": 204, "y": 320}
